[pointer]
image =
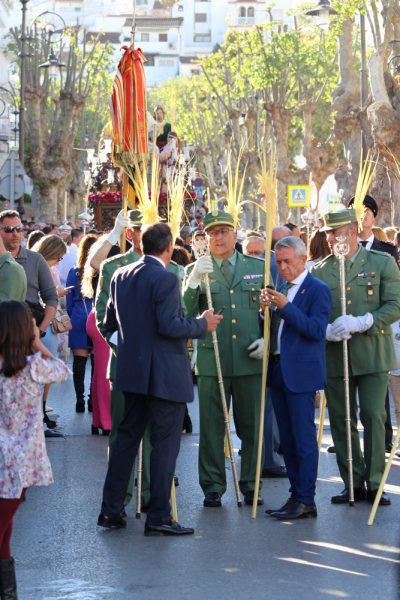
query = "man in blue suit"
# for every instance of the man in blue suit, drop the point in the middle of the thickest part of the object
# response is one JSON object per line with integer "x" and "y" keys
{"x": 153, "y": 372}
{"x": 301, "y": 311}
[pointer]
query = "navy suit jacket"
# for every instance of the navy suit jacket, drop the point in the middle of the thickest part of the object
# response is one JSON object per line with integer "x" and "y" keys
{"x": 302, "y": 344}
{"x": 145, "y": 307}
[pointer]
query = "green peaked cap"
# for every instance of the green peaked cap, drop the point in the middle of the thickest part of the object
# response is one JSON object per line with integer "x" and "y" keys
{"x": 217, "y": 217}
{"x": 135, "y": 217}
{"x": 333, "y": 220}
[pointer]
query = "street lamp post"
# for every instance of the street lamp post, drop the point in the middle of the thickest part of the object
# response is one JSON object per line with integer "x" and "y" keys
{"x": 22, "y": 55}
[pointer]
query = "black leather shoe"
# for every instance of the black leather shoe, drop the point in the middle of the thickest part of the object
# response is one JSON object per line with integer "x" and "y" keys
{"x": 288, "y": 504}
{"x": 111, "y": 522}
{"x": 80, "y": 407}
{"x": 171, "y": 528}
{"x": 297, "y": 510}
{"x": 249, "y": 497}
{"x": 52, "y": 434}
{"x": 384, "y": 501}
{"x": 360, "y": 494}
{"x": 89, "y": 405}
{"x": 331, "y": 449}
{"x": 279, "y": 450}
{"x": 278, "y": 472}
{"x": 106, "y": 431}
{"x": 176, "y": 481}
{"x": 212, "y": 499}
{"x": 388, "y": 448}
{"x": 95, "y": 430}
{"x": 122, "y": 513}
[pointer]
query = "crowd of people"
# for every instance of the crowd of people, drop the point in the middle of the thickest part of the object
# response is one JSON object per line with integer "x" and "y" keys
{"x": 136, "y": 315}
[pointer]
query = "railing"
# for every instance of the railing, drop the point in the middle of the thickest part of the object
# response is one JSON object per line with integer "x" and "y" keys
{"x": 246, "y": 20}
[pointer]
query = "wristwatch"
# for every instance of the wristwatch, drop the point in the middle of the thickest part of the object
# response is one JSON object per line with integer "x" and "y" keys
{"x": 42, "y": 333}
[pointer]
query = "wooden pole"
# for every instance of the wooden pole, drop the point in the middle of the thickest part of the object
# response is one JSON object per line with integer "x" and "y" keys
{"x": 174, "y": 508}
{"x": 125, "y": 185}
{"x": 383, "y": 480}
{"x": 321, "y": 425}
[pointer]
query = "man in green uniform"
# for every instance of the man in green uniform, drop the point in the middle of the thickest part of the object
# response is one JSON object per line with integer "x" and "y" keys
{"x": 107, "y": 270}
{"x": 373, "y": 303}
{"x": 236, "y": 282}
{"x": 12, "y": 277}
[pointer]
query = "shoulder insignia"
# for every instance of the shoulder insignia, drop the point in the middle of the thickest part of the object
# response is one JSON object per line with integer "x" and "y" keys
{"x": 101, "y": 282}
{"x": 111, "y": 259}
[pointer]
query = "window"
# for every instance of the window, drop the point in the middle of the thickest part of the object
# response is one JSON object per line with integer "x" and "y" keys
{"x": 250, "y": 11}
{"x": 166, "y": 62}
{"x": 242, "y": 11}
{"x": 200, "y": 18}
{"x": 202, "y": 37}
{"x": 149, "y": 62}
{"x": 144, "y": 37}
{"x": 163, "y": 37}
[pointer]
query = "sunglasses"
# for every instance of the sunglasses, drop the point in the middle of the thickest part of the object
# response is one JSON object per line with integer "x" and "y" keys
{"x": 19, "y": 229}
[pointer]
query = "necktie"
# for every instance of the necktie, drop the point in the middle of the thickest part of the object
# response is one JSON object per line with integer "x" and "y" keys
{"x": 347, "y": 265}
{"x": 364, "y": 243}
{"x": 227, "y": 270}
{"x": 276, "y": 321}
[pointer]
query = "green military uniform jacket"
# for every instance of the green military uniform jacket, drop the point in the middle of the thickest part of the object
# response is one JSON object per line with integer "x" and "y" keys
{"x": 372, "y": 285}
{"x": 240, "y": 327}
{"x": 13, "y": 281}
{"x": 107, "y": 270}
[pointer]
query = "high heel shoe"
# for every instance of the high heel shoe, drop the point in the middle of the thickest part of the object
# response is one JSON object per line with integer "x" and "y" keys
{"x": 95, "y": 430}
{"x": 106, "y": 431}
{"x": 50, "y": 424}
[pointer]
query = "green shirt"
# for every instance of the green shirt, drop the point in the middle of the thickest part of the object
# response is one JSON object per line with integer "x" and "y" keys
{"x": 232, "y": 259}
{"x": 13, "y": 282}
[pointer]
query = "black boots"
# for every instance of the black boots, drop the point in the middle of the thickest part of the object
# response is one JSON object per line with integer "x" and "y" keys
{"x": 187, "y": 422}
{"x": 78, "y": 369}
{"x": 8, "y": 583}
{"x": 89, "y": 403}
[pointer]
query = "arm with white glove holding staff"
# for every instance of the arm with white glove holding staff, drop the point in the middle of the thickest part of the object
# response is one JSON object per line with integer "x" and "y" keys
{"x": 121, "y": 223}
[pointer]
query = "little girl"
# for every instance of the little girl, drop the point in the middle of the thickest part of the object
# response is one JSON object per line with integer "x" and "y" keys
{"x": 24, "y": 364}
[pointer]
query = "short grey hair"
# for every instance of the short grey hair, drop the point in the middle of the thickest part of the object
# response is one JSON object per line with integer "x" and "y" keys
{"x": 253, "y": 238}
{"x": 292, "y": 242}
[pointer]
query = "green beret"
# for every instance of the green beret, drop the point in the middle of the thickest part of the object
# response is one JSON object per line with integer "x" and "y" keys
{"x": 333, "y": 220}
{"x": 135, "y": 217}
{"x": 217, "y": 217}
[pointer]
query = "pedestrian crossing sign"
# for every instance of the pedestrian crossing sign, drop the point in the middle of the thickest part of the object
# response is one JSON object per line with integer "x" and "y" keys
{"x": 298, "y": 195}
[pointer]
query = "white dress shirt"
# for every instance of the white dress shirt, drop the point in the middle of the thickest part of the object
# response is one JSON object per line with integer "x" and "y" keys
{"x": 369, "y": 241}
{"x": 68, "y": 262}
{"x": 292, "y": 291}
{"x": 159, "y": 259}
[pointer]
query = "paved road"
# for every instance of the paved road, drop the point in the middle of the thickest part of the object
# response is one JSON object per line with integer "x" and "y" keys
{"x": 61, "y": 554}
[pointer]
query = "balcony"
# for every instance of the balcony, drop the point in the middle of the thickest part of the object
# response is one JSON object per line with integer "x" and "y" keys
{"x": 246, "y": 20}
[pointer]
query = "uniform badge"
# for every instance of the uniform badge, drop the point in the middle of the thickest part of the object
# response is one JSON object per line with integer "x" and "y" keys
{"x": 214, "y": 212}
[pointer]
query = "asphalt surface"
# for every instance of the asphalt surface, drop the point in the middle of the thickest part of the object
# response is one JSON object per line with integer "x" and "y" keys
{"x": 61, "y": 554}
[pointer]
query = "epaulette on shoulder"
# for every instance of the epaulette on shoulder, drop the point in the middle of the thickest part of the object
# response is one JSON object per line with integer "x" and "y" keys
{"x": 381, "y": 252}
{"x": 250, "y": 258}
{"x": 388, "y": 243}
{"x": 112, "y": 259}
{"x": 324, "y": 261}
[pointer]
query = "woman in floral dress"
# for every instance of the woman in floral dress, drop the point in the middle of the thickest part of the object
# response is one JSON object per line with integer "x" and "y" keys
{"x": 24, "y": 364}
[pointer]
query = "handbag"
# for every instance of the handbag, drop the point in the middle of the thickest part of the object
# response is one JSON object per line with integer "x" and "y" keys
{"x": 61, "y": 322}
{"x": 37, "y": 311}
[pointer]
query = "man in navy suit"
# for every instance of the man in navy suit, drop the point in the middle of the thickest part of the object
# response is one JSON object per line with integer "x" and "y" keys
{"x": 301, "y": 311}
{"x": 153, "y": 372}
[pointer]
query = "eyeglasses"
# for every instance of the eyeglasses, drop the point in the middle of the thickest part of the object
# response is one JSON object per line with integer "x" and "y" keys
{"x": 60, "y": 259}
{"x": 224, "y": 231}
{"x": 19, "y": 229}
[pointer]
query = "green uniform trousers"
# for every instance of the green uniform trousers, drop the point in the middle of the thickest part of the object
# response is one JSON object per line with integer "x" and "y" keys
{"x": 371, "y": 393}
{"x": 117, "y": 413}
{"x": 246, "y": 394}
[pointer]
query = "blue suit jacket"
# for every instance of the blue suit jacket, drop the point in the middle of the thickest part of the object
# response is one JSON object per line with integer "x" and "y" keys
{"x": 145, "y": 307}
{"x": 303, "y": 336}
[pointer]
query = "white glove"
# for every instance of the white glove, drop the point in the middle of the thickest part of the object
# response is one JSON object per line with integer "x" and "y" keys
{"x": 258, "y": 349}
{"x": 331, "y": 337}
{"x": 348, "y": 324}
{"x": 202, "y": 265}
{"x": 121, "y": 223}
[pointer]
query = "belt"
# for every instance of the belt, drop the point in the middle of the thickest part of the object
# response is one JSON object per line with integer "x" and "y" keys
{"x": 276, "y": 357}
